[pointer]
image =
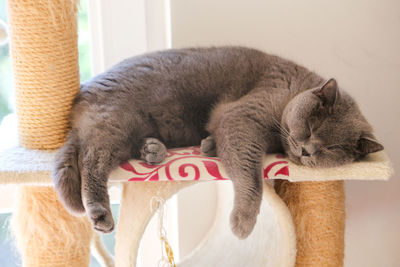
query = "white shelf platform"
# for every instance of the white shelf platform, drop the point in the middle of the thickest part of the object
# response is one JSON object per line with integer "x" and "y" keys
{"x": 22, "y": 166}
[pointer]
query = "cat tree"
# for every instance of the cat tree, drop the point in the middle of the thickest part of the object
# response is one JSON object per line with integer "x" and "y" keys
{"x": 43, "y": 38}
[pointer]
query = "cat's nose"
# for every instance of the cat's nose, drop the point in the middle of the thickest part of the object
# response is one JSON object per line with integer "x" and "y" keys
{"x": 304, "y": 152}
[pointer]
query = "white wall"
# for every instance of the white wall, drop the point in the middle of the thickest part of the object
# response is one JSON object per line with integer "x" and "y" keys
{"x": 358, "y": 43}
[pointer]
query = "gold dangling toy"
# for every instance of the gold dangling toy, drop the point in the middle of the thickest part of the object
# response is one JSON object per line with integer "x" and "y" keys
{"x": 167, "y": 255}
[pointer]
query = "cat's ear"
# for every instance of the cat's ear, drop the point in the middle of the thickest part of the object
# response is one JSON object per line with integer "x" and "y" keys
{"x": 328, "y": 93}
{"x": 367, "y": 144}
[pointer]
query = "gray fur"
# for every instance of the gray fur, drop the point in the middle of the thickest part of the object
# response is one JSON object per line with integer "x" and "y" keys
{"x": 248, "y": 101}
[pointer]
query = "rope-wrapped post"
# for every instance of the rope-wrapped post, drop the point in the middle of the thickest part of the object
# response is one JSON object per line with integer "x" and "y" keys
{"x": 43, "y": 42}
{"x": 318, "y": 212}
{"x": 45, "y": 61}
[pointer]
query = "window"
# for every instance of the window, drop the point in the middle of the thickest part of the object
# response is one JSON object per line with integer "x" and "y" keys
{"x": 8, "y": 254}
{"x": 6, "y": 82}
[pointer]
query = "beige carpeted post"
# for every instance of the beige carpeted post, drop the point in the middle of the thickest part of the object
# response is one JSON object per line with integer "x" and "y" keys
{"x": 43, "y": 40}
{"x": 47, "y": 235}
{"x": 318, "y": 212}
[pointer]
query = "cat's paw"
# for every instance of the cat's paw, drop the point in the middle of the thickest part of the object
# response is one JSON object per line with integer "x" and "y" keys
{"x": 153, "y": 151}
{"x": 243, "y": 222}
{"x": 101, "y": 218}
{"x": 308, "y": 161}
{"x": 208, "y": 147}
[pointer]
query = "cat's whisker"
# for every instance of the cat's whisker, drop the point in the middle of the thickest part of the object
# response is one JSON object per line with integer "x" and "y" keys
{"x": 281, "y": 129}
{"x": 289, "y": 139}
{"x": 284, "y": 137}
{"x": 277, "y": 123}
{"x": 284, "y": 130}
{"x": 285, "y": 133}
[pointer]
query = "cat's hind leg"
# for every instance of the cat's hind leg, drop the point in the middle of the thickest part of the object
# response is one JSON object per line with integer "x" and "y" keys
{"x": 98, "y": 160}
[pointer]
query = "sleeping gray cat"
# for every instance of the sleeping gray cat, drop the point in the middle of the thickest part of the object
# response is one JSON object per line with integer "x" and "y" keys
{"x": 250, "y": 103}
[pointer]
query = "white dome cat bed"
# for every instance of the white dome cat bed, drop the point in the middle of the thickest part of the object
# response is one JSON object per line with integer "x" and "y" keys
{"x": 44, "y": 91}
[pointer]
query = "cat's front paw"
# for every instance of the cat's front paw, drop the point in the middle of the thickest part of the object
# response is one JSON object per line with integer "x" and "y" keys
{"x": 242, "y": 222}
{"x": 208, "y": 147}
{"x": 101, "y": 218}
{"x": 153, "y": 151}
{"x": 308, "y": 161}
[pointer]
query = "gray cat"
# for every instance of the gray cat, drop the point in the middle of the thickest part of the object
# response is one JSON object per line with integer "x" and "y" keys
{"x": 249, "y": 102}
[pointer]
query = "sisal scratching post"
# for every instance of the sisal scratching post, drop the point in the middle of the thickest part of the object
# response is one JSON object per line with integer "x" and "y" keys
{"x": 45, "y": 61}
{"x": 43, "y": 42}
{"x": 318, "y": 212}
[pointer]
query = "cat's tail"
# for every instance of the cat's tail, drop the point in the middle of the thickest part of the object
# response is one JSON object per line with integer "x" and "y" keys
{"x": 66, "y": 175}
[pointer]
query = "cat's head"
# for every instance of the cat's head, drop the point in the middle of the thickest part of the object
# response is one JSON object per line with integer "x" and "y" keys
{"x": 323, "y": 127}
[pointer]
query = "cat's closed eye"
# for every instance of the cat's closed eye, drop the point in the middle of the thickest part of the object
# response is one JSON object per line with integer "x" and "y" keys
{"x": 313, "y": 124}
{"x": 336, "y": 148}
{"x": 302, "y": 136}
